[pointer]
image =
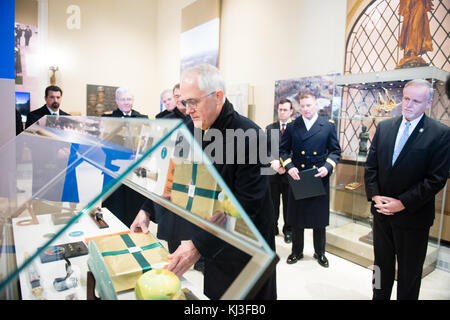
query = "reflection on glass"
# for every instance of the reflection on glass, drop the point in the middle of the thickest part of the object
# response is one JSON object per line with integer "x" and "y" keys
{"x": 63, "y": 167}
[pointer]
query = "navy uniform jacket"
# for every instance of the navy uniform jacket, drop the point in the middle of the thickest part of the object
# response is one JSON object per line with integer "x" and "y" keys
{"x": 420, "y": 171}
{"x": 223, "y": 263}
{"x": 305, "y": 149}
{"x": 35, "y": 115}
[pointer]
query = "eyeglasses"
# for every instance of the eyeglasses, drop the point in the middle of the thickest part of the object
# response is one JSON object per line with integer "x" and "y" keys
{"x": 192, "y": 103}
{"x": 125, "y": 99}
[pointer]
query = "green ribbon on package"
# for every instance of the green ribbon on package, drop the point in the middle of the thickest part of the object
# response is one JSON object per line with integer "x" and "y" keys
{"x": 136, "y": 251}
{"x": 212, "y": 194}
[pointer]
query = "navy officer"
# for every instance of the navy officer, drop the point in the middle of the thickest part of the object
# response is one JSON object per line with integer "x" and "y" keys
{"x": 309, "y": 142}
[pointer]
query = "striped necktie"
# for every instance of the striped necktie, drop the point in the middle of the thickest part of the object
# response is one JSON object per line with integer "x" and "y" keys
{"x": 401, "y": 143}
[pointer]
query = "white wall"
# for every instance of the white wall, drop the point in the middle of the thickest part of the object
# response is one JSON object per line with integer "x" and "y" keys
{"x": 263, "y": 41}
{"x": 168, "y": 42}
{"x": 137, "y": 43}
{"x": 115, "y": 46}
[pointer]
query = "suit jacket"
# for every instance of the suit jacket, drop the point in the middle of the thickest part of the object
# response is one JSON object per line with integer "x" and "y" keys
{"x": 419, "y": 172}
{"x": 35, "y": 115}
{"x": 276, "y": 178}
{"x": 119, "y": 114}
{"x": 305, "y": 149}
{"x": 163, "y": 114}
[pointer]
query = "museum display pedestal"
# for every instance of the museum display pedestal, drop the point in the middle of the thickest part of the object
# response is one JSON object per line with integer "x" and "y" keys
{"x": 344, "y": 241}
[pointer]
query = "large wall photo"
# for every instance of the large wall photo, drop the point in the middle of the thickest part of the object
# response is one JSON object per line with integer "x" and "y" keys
{"x": 322, "y": 87}
{"x": 100, "y": 99}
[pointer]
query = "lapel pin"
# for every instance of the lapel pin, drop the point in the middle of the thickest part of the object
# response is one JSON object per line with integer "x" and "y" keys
{"x": 421, "y": 130}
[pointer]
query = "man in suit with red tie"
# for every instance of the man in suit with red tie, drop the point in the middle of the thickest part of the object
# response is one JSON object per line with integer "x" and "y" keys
{"x": 407, "y": 165}
{"x": 309, "y": 142}
{"x": 279, "y": 184}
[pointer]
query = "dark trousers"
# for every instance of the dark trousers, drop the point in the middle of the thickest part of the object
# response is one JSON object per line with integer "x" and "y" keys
{"x": 279, "y": 188}
{"x": 409, "y": 246}
{"x": 318, "y": 239}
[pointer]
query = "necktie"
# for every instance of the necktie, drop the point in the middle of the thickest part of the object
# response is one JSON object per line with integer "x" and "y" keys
{"x": 401, "y": 142}
{"x": 282, "y": 128}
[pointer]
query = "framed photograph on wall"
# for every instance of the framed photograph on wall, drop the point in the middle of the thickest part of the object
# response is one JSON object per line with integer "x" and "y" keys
{"x": 100, "y": 99}
{"x": 200, "y": 45}
{"x": 321, "y": 86}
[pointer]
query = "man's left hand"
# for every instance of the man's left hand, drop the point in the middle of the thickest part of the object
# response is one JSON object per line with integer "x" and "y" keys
{"x": 389, "y": 206}
{"x": 183, "y": 258}
{"x": 321, "y": 172}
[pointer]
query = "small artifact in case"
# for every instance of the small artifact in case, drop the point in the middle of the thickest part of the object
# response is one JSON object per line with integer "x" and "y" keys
{"x": 97, "y": 216}
{"x": 67, "y": 250}
{"x": 353, "y": 186}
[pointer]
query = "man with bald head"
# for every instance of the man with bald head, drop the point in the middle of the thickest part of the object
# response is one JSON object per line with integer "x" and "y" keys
{"x": 407, "y": 165}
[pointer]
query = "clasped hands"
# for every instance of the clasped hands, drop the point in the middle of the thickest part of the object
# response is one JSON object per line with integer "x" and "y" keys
{"x": 186, "y": 254}
{"x": 387, "y": 205}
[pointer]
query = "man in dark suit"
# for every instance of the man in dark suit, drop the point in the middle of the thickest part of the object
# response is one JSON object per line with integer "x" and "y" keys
{"x": 124, "y": 202}
{"x": 407, "y": 165}
{"x": 53, "y": 98}
{"x": 279, "y": 184}
{"x": 203, "y": 91}
{"x": 309, "y": 142}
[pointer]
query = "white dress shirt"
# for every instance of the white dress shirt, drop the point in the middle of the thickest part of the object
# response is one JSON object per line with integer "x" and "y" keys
{"x": 310, "y": 123}
{"x": 53, "y": 112}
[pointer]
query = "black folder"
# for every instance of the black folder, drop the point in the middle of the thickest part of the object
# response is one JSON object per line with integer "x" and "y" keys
{"x": 308, "y": 186}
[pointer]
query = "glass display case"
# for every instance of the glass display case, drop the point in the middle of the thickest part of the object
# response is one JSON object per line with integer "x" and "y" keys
{"x": 53, "y": 226}
{"x": 368, "y": 99}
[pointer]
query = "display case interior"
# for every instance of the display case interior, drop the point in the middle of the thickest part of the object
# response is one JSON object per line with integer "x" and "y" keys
{"x": 54, "y": 230}
{"x": 368, "y": 99}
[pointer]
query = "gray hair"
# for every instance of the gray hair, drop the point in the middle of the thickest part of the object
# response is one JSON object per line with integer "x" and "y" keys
{"x": 209, "y": 78}
{"x": 423, "y": 83}
{"x": 122, "y": 90}
{"x": 164, "y": 92}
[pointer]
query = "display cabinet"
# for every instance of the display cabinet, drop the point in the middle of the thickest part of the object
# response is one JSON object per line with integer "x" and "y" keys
{"x": 53, "y": 227}
{"x": 368, "y": 99}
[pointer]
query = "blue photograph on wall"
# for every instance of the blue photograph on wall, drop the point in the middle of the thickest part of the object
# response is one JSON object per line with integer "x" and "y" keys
{"x": 23, "y": 102}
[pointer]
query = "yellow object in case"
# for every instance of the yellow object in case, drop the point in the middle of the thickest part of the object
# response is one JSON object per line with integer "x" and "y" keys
{"x": 128, "y": 256}
{"x": 195, "y": 189}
